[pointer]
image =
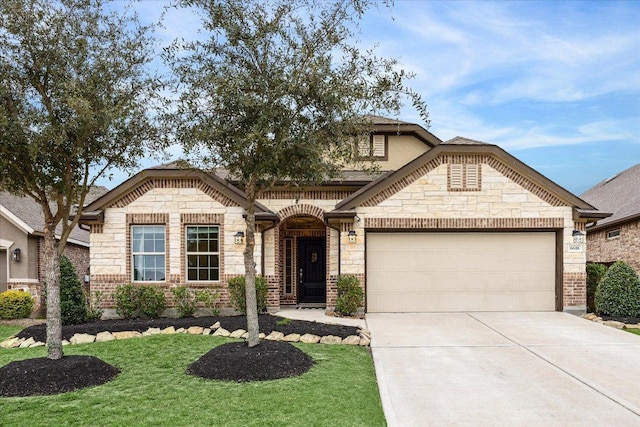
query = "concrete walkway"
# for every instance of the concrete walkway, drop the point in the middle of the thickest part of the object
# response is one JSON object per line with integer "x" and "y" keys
{"x": 504, "y": 369}
{"x": 318, "y": 315}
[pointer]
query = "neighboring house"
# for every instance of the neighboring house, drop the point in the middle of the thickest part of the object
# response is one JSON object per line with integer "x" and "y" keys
{"x": 617, "y": 237}
{"x": 448, "y": 226}
{"x": 22, "y": 243}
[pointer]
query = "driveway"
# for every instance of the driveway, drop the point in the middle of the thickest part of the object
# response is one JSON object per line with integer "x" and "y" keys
{"x": 504, "y": 369}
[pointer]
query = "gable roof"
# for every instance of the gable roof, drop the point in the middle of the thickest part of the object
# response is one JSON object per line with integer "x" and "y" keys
{"x": 387, "y": 126}
{"x": 26, "y": 214}
{"x": 619, "y": 194}
{"x": 394, "y": 181}
{"x": 137, "y": 185}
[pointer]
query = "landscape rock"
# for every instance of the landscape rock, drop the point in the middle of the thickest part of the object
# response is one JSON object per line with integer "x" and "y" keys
{"x": 168, "y": 330}
{"x": 104, "y": 336}
{"x": 351, "y": 340}
{"x": 291, "y": 338}
{"x": 364, "y": 332}
{"x": 238, "y": 333}
{"x": 274, "y": 336}
{"x": 215, "y": 326}
{"x": 206, "y": 331}
{"x": 154, "y": 331}
{"x": 123, "y": 335}
{"x": 364, "y": 342}
{"x": 27, "y": 343}
{"x": 65, "y": 342}
{"x": 310, "y": 339}
{"x": 82, "y": 339}
{"x": 37, "y": 344}
{"x": 195, "y": 330}
{"x": 221, "y": 332}
{"x": 10, "y": 343}
{"x": 614, "y": 324}
{"x": 330, "y": 339}
{"x": 181, "y": 331}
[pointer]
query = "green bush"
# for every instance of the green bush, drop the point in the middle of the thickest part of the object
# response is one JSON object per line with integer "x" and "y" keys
{"x": 15, "y": 304}
{"x": 133, "y": 301}
{"x": 187, "y": 300}
{"x": 238, "y": 295}
{"x": 94, "y": 312}
{"x": 595, "y": 272}
{"x": 350, "y": 295}
{"x": 618, "y": 293}
{"x": 73, "y": 307}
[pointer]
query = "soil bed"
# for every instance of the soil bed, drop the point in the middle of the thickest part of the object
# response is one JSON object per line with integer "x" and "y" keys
{"x": 230, "y": 323}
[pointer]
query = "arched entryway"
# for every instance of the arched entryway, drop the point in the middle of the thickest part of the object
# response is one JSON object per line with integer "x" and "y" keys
{"x": 304, "y": 260}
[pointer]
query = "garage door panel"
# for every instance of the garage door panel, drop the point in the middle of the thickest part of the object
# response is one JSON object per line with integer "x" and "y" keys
{"x": 460, "y": 271}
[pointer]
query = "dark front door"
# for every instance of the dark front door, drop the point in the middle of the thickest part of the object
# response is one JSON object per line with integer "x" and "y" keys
{"x": 311, "y": 260}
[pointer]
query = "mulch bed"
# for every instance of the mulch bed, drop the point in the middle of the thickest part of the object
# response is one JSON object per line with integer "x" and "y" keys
{"x": 42, "y": 376}
{"x": 238, "y": 362}
{"x": 629, "y": 320}
{"x": 230, "y": 323}
{"x": 228, "y": 362}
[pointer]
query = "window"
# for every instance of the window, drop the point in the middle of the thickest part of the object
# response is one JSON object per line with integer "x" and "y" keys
{"x": 613, "y": 234}
{"x": 288, "y": 266}
{"x": 464, "y": 177}
{"x": 203, "y": 253}
{"x": 372, "y": 146}
{"x": 148, "y": 252}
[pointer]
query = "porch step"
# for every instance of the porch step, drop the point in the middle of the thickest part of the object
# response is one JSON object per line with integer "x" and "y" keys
{"x": 312, "y": 305}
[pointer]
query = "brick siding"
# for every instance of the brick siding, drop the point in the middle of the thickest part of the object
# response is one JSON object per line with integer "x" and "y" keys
{"x": 626, "y": 247}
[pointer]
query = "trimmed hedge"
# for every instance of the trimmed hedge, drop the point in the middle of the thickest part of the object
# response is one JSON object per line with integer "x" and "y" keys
{"x": 15, "y": 304}
{"x": 238, "y": 296}
{"x": 595, "y": 273}
{"x": 350, "y": 295}
{"x": 133, "y": 301}
{"x": 618, "y": 293}
{"x": 73, "y": 307}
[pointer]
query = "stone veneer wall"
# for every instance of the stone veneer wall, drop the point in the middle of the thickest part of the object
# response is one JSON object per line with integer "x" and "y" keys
{"x": 626, "y": 247}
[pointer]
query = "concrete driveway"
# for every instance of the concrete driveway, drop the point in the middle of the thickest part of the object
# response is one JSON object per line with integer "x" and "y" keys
{"x": 504, "y": 369}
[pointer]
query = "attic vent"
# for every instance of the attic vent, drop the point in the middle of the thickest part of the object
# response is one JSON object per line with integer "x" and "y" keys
{"x": 464, "y": 177}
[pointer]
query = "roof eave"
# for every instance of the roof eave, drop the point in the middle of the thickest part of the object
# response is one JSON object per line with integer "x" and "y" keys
{"x": 596, "y": 227}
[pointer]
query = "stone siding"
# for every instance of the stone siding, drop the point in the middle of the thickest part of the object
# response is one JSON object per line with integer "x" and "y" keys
{"x": 626, "y": 247}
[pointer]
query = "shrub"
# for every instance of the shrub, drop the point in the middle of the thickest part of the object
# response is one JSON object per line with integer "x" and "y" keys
{"x": 126, "y": 301}
{"x": 238, "y": 296}
{"x": 187, "y": 300}
{"x": 350, "y": 295}
{"x": 15, "y": 304}
{"x": 595, "y": 272}
{"x": 73, "y": 307}
{"x": 618, "y": 293}
{"x": 94, "y": 312}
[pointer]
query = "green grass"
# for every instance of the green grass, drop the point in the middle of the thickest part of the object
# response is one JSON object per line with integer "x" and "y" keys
{"x": 7, "y": 330}
{"x": 153, "y": 389}
{"x": 633, "y": 331}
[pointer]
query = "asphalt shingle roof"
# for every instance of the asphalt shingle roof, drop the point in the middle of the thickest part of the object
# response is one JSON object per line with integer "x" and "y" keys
{"x": 619, "y": 194}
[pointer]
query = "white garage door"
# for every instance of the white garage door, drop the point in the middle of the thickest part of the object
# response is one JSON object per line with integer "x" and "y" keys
{"x": 435, "y": 272}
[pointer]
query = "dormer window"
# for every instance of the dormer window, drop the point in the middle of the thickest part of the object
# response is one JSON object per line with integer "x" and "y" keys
{"x": 464, "y": 177}
{"x": 372, "y": 147}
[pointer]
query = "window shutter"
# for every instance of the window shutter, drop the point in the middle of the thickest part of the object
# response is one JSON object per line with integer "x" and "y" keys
{"x": 378, "y": 146}
{"x": 364, "y": 147}
{"x": 455, "y": 179}
{"x": 473, "y": 180}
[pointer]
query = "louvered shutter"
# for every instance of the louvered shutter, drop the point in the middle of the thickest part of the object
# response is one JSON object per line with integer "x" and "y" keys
{"x": 364, "y": 147}
{"x": 473, "y": 178}
{"x": 455, "y": 179}
{"x": 378, "y": 146}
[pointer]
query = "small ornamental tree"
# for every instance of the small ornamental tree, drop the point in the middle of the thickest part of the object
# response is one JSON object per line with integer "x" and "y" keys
{"x": 276, "y": 90}
{"x": 618, "y": 293}
{"x": 75, "y": 98}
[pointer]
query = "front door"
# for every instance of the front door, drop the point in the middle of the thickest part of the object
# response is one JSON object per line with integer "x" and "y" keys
{"x": 311, "y": 260}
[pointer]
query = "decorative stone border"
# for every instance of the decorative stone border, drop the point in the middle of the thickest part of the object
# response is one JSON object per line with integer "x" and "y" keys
{"x": 362, "y": 339}
{"x": 612, "y": 323}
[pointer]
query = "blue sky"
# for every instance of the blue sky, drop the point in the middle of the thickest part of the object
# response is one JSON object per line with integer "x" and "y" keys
{"x": 555, "y": 83}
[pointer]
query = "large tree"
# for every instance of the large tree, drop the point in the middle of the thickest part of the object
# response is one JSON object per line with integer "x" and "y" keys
{"x": 74, "y": 102}
{"x": 272, "y": 90}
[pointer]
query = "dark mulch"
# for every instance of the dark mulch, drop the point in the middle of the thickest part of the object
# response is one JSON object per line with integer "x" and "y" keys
{"x": 238, "y": 362}
{"x": 42, "y": 376}
{"x": 230, "y": 323}
{"x": 629, "y": 320}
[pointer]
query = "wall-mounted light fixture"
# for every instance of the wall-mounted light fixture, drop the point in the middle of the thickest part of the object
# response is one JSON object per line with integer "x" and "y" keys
{"x": 16, "y": 254}
{"x": 352, "y": 236}
{"x": 238, "y": 238}
{"x": 578, "y": 236}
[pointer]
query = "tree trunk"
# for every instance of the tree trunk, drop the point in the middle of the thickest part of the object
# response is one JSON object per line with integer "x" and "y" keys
{"x": 51, "y": 263}
{"x": 253, "y": 327}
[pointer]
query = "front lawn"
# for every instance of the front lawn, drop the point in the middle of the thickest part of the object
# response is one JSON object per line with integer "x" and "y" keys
{"x": 633, "y": 331}
{"x": 8, "y": 330}
{"x": 153, "y": 389}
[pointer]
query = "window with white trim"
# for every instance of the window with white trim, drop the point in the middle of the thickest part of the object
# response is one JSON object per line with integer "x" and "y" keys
{"x": 288, "y": 266}
{"x": 148, "y": 253}
{"x": 202, "y": 253}
{"x": 464, "y": 177}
